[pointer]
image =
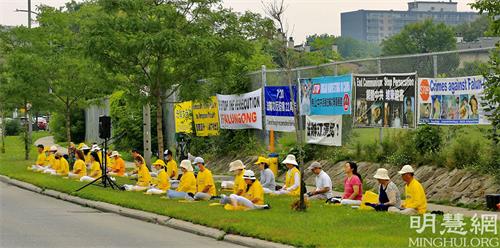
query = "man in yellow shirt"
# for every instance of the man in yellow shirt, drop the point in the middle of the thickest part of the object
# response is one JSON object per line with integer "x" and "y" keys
{"x": 118, "y": 168}
{"x": 40, "y": 160}
{"x": 63, "y": 169}
{"x": 239, "y": 187}
{"x": 415, "y": 202}
{"x": 204, "y": 180}
{"x": 187, "y": 185}
{"x": 172, "y": 170}
{"x": 253, "y": 198}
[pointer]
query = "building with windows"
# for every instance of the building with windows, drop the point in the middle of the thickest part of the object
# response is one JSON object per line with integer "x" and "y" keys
{"x": 376, "y": 25}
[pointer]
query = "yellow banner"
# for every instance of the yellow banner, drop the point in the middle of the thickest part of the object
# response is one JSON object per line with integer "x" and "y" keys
{"x": 183, "y": 117}
{"x": 206, "y": 117}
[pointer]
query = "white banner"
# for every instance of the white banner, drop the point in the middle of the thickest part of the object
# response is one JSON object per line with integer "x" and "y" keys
{"x": 451, "y": 101}
{"x": 280, "y": 123}
{"x": 241, "y": 111}
{"x": 324, "y": 130}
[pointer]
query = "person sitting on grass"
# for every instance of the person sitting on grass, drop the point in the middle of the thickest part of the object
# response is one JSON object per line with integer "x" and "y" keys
{"x": 161, "y": 183}
{"x": 353, "y": 185}
{"x": 49, "y": 160}
{"x": 187, "y": 185}
{"x": 40, "y": 159}
{"x": 252, "y": 198}
{"x": 143, "y": 176}
{"x": 323, "y": 189}
{"x": 63, "y": 169}
{"x": 95, "y": 168}
{"x": 204, "y": 180}
{"x": 86, "y": 152}
{"x": 238, "y": 168}
{"x": 133, "y": 174}
{"x": 416, "y": 201}
{"x": 118, "y": 168}
{"x": 79, "y": 168}
{"x": 172, "y": 170}
{"x": 53, "y": 164}
{"x": 292, "y": 178}
{"x": 266, "y": 175}
{"x": 388, "y": 192}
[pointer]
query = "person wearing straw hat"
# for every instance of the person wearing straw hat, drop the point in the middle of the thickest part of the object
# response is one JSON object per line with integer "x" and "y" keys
{"x": 415, "y": 202}
{"x": 95, "y": 168}
{"x": 118, "y": 168}
{"x": 187, "y": 185}
{"x": 161, "y": 183}
{"x": 388, "y": 192}
{"x": 238, "y": 168}
{"x": 52, "y": 164}
{"x": 266, "y": 175}
{"x": 143, "y": 176}
{"x": 204, "y": 180}
{"x": 172, "y": 170}
{"x": 40, "y": 159}
{"x": 63, "y": 169}
{"x": 252, "y": 198}
{"x": 323, "y": 189}
{"x": 292, "y": 178}
{"x": 79, "y": 168}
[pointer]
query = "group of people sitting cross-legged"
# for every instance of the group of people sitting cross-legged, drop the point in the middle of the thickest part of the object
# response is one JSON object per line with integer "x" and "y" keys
{"x": 196, "y": 182}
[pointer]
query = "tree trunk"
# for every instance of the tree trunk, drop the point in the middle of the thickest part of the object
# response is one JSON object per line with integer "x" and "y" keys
{"x": 27, "y": 138}
{"x": 159, "y": 123}
{"x": 2, "y": 115}
{"x": 68, "y": 125}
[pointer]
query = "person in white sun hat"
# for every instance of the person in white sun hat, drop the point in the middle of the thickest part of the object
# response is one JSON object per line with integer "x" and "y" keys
{"x": 323, "y": 189}
{"x": 292, "y": 178}
{"x": 415, "y": 202}
{"x": 388, "y": 192}
{"x": 187, "y": 185}
{"x": 238, "y": 168}
{"x": 252, "y": 198}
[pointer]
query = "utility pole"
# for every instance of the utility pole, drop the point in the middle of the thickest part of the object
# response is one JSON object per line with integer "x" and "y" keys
{"x": 29, "y": 13}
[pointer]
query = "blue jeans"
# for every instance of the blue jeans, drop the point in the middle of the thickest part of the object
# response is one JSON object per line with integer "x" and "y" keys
{"x": 172, "y": 194}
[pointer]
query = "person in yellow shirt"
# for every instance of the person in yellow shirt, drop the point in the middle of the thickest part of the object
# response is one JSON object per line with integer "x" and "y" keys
{"x": 161, "y": 183}
{"x": 172, "y": 170}
{"x": 63, "y": 165}
{"x": 79, "y": 168}
{"x": 238, "y": 168}
{"x": 133, "y": 174}
{"x": 40, "y": 160}
{"x": 204, "y": 181}
{"x": 292, "y": 178}
{"x": 86, "y": 152}
{"x": 118, "y": 167}
{"x": 187, "y": 185}
{"x": 143, "y": 176}
{"x": 95, "y": 168}
{"x": 415, "y": 202}
{"x": 253, "y": 197}
{"x": 51, "y": 163}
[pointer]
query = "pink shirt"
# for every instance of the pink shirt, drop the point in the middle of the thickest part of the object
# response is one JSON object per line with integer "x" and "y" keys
{"x": 348, "y": 190}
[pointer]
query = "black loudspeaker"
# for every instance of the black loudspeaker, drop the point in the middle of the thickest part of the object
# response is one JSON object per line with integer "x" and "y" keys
{"x": 104, "y": 127}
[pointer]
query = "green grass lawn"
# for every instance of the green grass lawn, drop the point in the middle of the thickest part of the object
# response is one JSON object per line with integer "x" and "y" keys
{"x": 320, "y": 226}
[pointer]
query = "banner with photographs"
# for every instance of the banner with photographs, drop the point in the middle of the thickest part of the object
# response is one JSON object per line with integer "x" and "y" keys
{"x": 451, "y": 101}
{"x": 330, "y": 95}
{"x": 183, "y": 117}
{"x": 206, "y": 117}
{"x": 279, "y": 108}
{"x": 324, "y": 130}
{"x": 240, "y": 111}
{"x": 385, "y": 100}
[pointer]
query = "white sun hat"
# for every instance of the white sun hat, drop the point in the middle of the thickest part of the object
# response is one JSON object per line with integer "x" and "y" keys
{"x": 236, "y": 165}
{"x": 249, "y": 174}
{"x": 382, "y": 174}
{"x": 186, "y": 164}
{"x": 85, "y": 147}
{"x": 290, "y": 159}
{"x": 315, "y": 164}
{"x": 114, "y": 154}
{"x": 198, "y": 160}
{"x": 406, "y": 169}
{"x": 53, "y": 148}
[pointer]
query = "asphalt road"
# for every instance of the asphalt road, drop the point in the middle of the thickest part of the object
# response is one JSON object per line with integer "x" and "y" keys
{"x": 28, "y": 219}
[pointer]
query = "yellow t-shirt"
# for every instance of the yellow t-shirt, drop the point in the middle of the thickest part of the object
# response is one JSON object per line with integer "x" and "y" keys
{"x": 187, "y": 183}
{"x": 255, "y": 191}
{"x": 63, "y": 166}
{"x": 119, "y": 166}
{"x": 143, "y": 176}
{"x": 87, "y": 158}
{"x": 162, "y": 181}
{"x": 95, "y": 169}
{"x": 40, "y": 160}
{"x": 172, "y": 167}
{"x": 80, "y": 165}
{"x": 56, "y": 164}
{"x": 50, "y": 160}
{"x": 290, "y": 180}
{"x": 415, "y": 197}
{"x": 204, "y": 179}
{"x": 239, "y": 183}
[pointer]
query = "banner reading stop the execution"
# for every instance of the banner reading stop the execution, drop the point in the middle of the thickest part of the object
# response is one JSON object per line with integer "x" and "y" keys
{"x": 324, "y": 130}
{"x": 451, "y": 101}
{"x": 206, "y": 117}
{"x": 240, "y": 111}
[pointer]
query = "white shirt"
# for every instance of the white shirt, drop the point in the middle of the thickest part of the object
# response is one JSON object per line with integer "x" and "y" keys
{"x": 324, "y": 181}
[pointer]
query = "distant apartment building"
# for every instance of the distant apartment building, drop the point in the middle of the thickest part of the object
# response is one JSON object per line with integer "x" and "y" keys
{"x": 376, "y": 25}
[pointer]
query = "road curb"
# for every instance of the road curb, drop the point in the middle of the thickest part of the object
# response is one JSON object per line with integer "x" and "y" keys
{"x": 148, "y": 217}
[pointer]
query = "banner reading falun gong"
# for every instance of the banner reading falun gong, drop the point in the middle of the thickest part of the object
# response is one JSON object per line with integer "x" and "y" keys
{"x": 206, "y": 117}
{"x": 324, "y": 130}
{"x": 183, "y": 117}
{"x": 241, "y": 111}
{"x": 451, "y": 101}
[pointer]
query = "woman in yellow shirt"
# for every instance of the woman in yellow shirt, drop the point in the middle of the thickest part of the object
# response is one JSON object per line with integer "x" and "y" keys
{"x": 187, "y": 185}
{"x": 292, "y": 179}
{"x": 79, "y": 168}
{"x": 253, "y": 197}
{"x": 143, "y": 176}
{"x": 95, "y": 168}
{"x": 63, "y": 165}
{"x": 40, "y": 160}
{"x": 162, "y": 183}
{"x": 204, "y": 180}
